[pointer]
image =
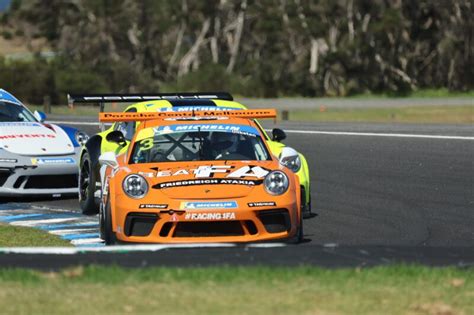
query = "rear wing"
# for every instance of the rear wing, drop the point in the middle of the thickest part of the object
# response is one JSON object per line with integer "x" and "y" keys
{"x": 143, "y": 116}
{"x": 101, "y": 99}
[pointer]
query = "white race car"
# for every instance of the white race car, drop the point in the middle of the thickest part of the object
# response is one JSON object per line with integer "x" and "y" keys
{"x": 36, "y": 158}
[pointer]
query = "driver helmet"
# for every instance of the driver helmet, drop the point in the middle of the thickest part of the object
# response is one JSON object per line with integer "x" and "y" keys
{"x": 224, "y": 142}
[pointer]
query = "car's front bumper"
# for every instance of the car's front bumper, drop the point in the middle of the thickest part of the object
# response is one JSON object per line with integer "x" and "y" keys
{"x": 243, "y": 224}
{"x": 44, "y": 175}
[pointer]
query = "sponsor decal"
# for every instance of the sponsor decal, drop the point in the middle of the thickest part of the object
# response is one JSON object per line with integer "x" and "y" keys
{"x": 27, "y": 136}
{"x": 195, "y": 108}
{"x": 43, "y": 161}
{"x": 208, "y": 205}
{"x": 209, "y": 181}
{"x": 261, "y": 204}
{"x": 152, "y": 206}
{"x": 3, "y": 160}
{"x": 229, "y": 128}
{"x": 210, "y": 216}
{"x": 256, "y": 113}
{"x": 208, "y": 171}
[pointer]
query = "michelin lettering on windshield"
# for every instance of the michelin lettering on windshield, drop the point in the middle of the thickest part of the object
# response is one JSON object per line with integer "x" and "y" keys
{"x": 240, "y": 129}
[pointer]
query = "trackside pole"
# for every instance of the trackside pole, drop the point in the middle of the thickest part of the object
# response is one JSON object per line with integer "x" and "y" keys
{"x": 101, "y": 110}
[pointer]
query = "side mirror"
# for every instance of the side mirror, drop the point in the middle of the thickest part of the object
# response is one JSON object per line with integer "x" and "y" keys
{"x": 116, "y": 136}
{"x": 290, "y": 158}
{"x": 278, "y": 135}
{"x": 40, "y": 116}
{"x": 108, "y": 158}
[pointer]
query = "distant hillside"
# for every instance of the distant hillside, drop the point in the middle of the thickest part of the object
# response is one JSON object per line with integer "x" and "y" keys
{"x": 4, "y": 4}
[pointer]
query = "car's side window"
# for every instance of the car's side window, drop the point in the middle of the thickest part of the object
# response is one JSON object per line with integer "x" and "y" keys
{"x": 127, "y": 128}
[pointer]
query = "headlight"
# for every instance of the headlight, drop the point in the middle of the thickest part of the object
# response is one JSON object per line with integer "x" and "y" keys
{"x": 135, "y": 186}
{"x": 276, "y": 183}
{"x": 293, "y": 163}
{"x": 81, "y": 137}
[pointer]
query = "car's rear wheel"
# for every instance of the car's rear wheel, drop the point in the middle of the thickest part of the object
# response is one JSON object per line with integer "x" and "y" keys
{"x": 105, "y": 219}
{"x": 87, "y": 186}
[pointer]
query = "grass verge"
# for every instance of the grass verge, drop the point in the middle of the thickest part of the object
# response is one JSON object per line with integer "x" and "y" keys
{"x": 421, "y": 93}
{"x": 418, "y": 114}
{"x": 239, "y": 290}
{"x": 17, "y": 236}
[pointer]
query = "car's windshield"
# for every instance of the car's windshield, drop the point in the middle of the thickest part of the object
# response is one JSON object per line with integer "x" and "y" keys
{"x": 199, "y": 142}
{"x": 12, "y": 112}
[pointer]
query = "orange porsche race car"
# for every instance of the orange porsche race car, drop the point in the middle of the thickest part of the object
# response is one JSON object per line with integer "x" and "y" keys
{"x": 201, "y": 176}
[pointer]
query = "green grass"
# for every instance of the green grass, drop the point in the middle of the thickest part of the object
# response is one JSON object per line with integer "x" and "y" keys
{"x": 419, "y": 114}
{"x": 249, "y": 290}
{"x": 422, "y": 93}
{"x": 17, "y": 236}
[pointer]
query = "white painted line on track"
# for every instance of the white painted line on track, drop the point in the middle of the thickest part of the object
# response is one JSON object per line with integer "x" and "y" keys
{"x": 266, "y": 245}
{"x": 38, "y": 222}
{"x": 322, "y": 132}
{"x": 72, "y": 231}
{"x": 86, "y": 241}
{"x": 373, "y": 134}
{"x": 117, "y": 248}
{"x": 39, "y": 250}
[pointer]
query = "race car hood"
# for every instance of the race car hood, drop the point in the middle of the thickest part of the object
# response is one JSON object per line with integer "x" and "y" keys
{"x": 34, "y": 138}
{"x": 208, "y": 180}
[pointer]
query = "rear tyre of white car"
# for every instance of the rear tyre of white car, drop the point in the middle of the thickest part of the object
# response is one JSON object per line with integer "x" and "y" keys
{"x": 87, "y": 186}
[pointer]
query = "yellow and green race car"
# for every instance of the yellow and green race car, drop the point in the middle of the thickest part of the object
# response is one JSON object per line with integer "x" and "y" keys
{"x": 89, "y": 168}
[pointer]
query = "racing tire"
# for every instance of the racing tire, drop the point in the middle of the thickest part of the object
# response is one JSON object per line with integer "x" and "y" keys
{"x": 105, "y": 222}
{"x": 87, "y": 179}
{"x": 299, "y": 236}
{"x": 307, "y": 211}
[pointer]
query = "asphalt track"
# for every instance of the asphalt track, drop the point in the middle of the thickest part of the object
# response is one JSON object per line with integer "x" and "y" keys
{"x": 400, "y": 193}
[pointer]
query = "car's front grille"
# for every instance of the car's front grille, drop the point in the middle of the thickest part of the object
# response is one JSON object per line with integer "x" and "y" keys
{"x": 275, "y": 221}
{"x": 208, "y": 229}
{"x": 51, "y": 181}
{"x": 140, "y": 224}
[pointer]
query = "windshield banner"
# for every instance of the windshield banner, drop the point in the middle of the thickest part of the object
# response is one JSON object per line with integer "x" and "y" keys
{"x": 240, "y": 129}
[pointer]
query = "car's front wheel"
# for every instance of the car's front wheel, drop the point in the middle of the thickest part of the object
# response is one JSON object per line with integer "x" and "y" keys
{"x": 105, "y": 221}
{"x": 299, "y": 235}
{"x": 87, "y": 186}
